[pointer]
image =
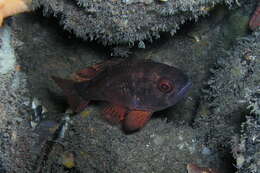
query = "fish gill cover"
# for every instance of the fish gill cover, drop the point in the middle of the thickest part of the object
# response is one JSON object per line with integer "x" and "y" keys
{"x": 125, "y": 22}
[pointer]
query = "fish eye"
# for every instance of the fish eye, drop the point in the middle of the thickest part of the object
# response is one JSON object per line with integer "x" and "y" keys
{"x": 165, "y": 86}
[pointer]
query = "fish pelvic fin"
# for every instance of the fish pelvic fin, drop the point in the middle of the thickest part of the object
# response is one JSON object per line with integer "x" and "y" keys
{"x": 76, "y": 103}
{"x": 135, "y": 120}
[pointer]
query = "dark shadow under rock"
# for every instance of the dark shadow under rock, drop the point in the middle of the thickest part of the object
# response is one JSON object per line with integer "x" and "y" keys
{"x": 45, "y": 51}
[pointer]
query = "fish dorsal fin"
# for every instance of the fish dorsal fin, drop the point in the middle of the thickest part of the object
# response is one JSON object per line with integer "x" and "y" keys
{"x": 88, "y": 73}
{"x": 136, "y": 119}
{"x": 114, "y": 113}
{"x": 91, "y": 72}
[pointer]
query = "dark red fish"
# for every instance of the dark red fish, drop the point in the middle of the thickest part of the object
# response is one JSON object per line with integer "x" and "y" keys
{"x": 134, "y": 89}
{"x": 255, "y": 19}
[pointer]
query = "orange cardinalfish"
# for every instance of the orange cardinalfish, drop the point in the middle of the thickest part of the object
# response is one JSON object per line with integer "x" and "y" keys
{"x": 134, "y": 89}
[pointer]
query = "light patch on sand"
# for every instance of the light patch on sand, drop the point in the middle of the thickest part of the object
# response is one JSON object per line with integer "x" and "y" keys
{"x": 7, "y": 57}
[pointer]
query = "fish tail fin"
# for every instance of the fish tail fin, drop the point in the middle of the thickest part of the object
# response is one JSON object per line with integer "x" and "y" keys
{"x": 77, "y": 103}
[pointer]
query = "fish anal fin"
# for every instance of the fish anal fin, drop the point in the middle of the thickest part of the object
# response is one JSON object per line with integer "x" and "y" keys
{"x": 77, "y": 103}
{"x": 114, "y": 113}
{"x": 136, "y": 119}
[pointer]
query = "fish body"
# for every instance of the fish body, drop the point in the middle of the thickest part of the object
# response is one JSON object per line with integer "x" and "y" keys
{"x": 131, "y": 87}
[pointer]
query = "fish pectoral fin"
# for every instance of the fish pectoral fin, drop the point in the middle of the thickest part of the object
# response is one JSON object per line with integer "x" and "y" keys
{"x": 136, "y": 119}
{"x": 114, "y": 113}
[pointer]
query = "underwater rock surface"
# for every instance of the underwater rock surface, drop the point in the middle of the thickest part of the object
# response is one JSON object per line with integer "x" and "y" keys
{"x": 13, "y": 108}
{"x": 246, "y": 147}
{"x": 197, "y": 130}
{"x": 233, "y": 76}
{"x": 125, "y": 22}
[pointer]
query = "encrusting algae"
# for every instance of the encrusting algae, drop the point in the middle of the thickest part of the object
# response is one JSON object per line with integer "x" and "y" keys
{"x": 116, "y": 22}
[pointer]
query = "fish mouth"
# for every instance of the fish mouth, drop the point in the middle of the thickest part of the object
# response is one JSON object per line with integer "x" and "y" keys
{"x": 181, "y": 93}
{"x": 185, "y": 89}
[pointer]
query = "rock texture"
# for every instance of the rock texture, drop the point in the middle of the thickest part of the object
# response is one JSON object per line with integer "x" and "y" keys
{"x": 126, "y": 22}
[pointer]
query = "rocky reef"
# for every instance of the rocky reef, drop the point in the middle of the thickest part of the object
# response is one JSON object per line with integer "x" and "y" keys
{"x": 126, "y": 22}
{"x": 246, "y": 146}
{"x": 233, "y": 93}
{"x": 218, "y": 53}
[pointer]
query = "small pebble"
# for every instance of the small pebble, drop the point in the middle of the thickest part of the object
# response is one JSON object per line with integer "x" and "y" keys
{"x": 206, "y": 151}
{"x": 68, "y": 160}
{"x": 158, "y": 140}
